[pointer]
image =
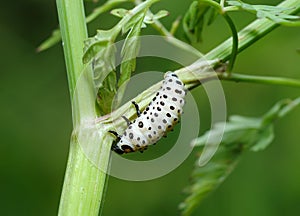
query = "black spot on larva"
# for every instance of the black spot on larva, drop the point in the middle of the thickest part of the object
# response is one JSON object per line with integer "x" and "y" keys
{"x": 181, "y": 101}
{"x": 157, "y": 93}
{"x": 147, "y": 117}
{"x": 157, "y": 102}
{"x": 165, "y": 121}
{"x": 165, "y": 96}
{"x": 170, "y": 80}
{"x": 158, "y": 108}
{"x": 156, "y": 114}
{"x": 179, "y": 111}
{"x": 141, "y": 124}
{"x": 143, "y": 141}
{"x": 178, "y": 91}
{"x": 153, "y": 107}
{"x": 154, "y": 132}
{"x": 154, "y": 98}
{"x": 147, "y": 109}
{"x": 149, "y": 128}
{"x": 131, "y": 135}
{"x": 174, "y": 75}
{"x": 172, "y": 107}
{"x": 145, "y": 112}
{"x": 178, "y": 82}
{"x": 125, "y": 133}
{"x": 152, "y": 119}
{"x": 169, "y": 126}
{"x": 174, "y": 99}
{"x": 175, "y": 119}
{"x": 138, "y": 139}
{"x": 150, "y": 113}
{"x": 168, "y": 88}
{"x": 162, "y": 103}
{"x": 168, "y": 114}
{"x": 159, "y": 127}
{"x": 137, "y": 145}
{"x": 130, "y": 127}
{"x": 150, "y": 136}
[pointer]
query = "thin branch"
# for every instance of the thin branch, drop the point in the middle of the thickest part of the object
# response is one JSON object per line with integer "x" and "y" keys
{"x": 260, "y": 79}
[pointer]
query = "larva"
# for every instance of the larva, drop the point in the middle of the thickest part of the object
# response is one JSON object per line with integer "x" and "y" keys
{"x": 156, "y": 120}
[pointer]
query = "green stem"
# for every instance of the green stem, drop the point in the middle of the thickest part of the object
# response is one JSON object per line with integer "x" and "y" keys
{"x": 251, "y": 33}
{"x": 260, "y": 79}
{"x": 235, "y": 42}
{"x": 83, "y": 186}
{"x": 103, "y": 8}
{"x": 72, "y": 43}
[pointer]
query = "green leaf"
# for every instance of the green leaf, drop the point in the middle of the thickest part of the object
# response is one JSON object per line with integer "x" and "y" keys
{"x": 151, "y": 18}
{"x": 51, "y": 41}
{"x": 129, "y": 52}
{"x": 96, "y": 44}
{"x": 241, "y": 134}
{"x": 56, "y": 37}
{"x": 100, "y": 50}
{"x": 103, "y": 64}
{"x": 208, "y": 178}
{"x": 273, "y": 13}
{"x": 193, "y": 21}
{"x": 120, "y": 12}
{"x": 106, "y": 94}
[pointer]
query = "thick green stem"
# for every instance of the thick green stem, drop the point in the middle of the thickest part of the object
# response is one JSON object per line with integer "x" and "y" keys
{"x": 83, "y": 186}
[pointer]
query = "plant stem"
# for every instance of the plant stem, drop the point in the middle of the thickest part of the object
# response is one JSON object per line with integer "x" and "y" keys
{"x": 235, "y": 43}
{"x": 260, "y": 79}
{"x": 251, "y": 33}
{"x": 72, "y": 43}
{"x": 83, "y": 186}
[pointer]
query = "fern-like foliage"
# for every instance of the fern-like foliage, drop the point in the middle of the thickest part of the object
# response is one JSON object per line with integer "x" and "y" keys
{"x": 241, "y": 134}
{"x": 100, "y": 50}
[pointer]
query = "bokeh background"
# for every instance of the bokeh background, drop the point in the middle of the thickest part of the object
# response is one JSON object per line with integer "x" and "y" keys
{"x": 35, "y": 124}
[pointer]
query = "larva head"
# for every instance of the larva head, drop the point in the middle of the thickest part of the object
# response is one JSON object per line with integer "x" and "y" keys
{"x": 122, "y": 147}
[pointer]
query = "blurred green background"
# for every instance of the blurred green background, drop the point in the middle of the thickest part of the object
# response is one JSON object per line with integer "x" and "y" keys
{"x": 36, "y": 123}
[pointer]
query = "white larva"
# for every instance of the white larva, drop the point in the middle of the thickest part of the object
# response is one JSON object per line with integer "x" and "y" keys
{"x": 156, "y": 120}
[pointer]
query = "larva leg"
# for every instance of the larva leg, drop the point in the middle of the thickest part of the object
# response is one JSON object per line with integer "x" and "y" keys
{"x": 114, "y": 146}
{"x": 116, "y": 134}
{"x": 138, "y": 112}
{"x": 127, "y": 120}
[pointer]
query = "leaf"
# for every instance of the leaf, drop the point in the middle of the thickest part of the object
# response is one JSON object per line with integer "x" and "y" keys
{"x": 129, "y": 52}
{"x": 120, "y": 12}
{"x": 96, "y": 44}
{"x": 151, "y": 18}
{"x": 273, "y": 13}
{"x": 241, "y": 134}
{"x": 103, "y": 64}
{"x": 56, "y": 36}
{"x": 193, "y": 21}
{"x": 208, "y": 178}
{"x": 101, "y": 51}
{"x": 106, "y": 94}
{"x": 51, "y": 41}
